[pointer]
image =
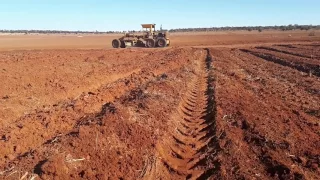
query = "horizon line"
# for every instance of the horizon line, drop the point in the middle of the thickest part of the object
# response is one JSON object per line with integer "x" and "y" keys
{"x": 213, "y": 27}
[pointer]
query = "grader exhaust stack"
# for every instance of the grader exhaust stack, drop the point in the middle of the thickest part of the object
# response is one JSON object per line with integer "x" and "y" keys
{"x": 150, "y": 38}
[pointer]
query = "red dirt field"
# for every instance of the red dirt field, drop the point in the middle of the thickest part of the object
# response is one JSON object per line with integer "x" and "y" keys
{"x": 205, "y": 39}
{"x": 249, "y": 109}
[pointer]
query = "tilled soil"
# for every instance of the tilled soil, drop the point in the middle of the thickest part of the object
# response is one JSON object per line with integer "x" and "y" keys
{"x": 294, "y": 60}
{"x": 174, "y": 113}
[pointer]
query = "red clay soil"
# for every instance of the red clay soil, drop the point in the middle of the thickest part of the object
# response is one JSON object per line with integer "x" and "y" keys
{"x": 30, "y": 140}
{"x": 174, "y": 113}
{"x": 268, "y": 115}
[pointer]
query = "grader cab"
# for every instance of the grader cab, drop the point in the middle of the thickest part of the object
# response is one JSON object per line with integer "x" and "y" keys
{"x": 150, "y": 38}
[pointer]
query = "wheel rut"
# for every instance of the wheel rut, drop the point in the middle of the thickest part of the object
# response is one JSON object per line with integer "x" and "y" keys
{"x": 190, "y": 150}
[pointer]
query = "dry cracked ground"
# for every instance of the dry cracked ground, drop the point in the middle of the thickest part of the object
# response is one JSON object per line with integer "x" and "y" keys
{"x": 249, "y": 112}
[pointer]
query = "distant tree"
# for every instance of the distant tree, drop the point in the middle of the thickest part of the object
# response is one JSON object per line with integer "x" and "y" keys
{"x": 200, "y": 29}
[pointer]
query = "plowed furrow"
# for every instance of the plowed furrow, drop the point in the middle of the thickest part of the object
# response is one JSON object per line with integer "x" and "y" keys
{"x": 284, "y": 51}
{"x": 189, "y": 151}
{"x": 298, "y": 65}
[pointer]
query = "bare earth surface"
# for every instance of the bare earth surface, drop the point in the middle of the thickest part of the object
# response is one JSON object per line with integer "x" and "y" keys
{"x": 214, "y": 106}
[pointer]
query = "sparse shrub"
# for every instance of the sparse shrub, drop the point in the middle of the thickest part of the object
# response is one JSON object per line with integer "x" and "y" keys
{"x": 312, "y": 33}
{"x": 260, "y": 30}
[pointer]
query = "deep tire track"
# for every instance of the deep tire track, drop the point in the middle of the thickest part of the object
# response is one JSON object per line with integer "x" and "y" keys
{"x": 191, "y": 150}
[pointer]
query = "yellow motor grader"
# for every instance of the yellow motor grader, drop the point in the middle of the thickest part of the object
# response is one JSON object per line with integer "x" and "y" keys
{"x": 150, "y": 38}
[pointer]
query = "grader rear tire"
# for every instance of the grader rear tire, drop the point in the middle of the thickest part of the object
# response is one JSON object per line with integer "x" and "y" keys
{"x": 150, "y": 43}
{"x": 162, "y": 42}
{"x": 116, "y": 43}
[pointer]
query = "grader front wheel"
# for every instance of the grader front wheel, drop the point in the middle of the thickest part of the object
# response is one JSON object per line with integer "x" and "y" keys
{"x": 123, "y": 44}
{"x": 116, "y": 43}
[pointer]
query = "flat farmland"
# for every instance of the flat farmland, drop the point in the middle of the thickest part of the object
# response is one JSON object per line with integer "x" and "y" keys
{"x": 225, "y": 105}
